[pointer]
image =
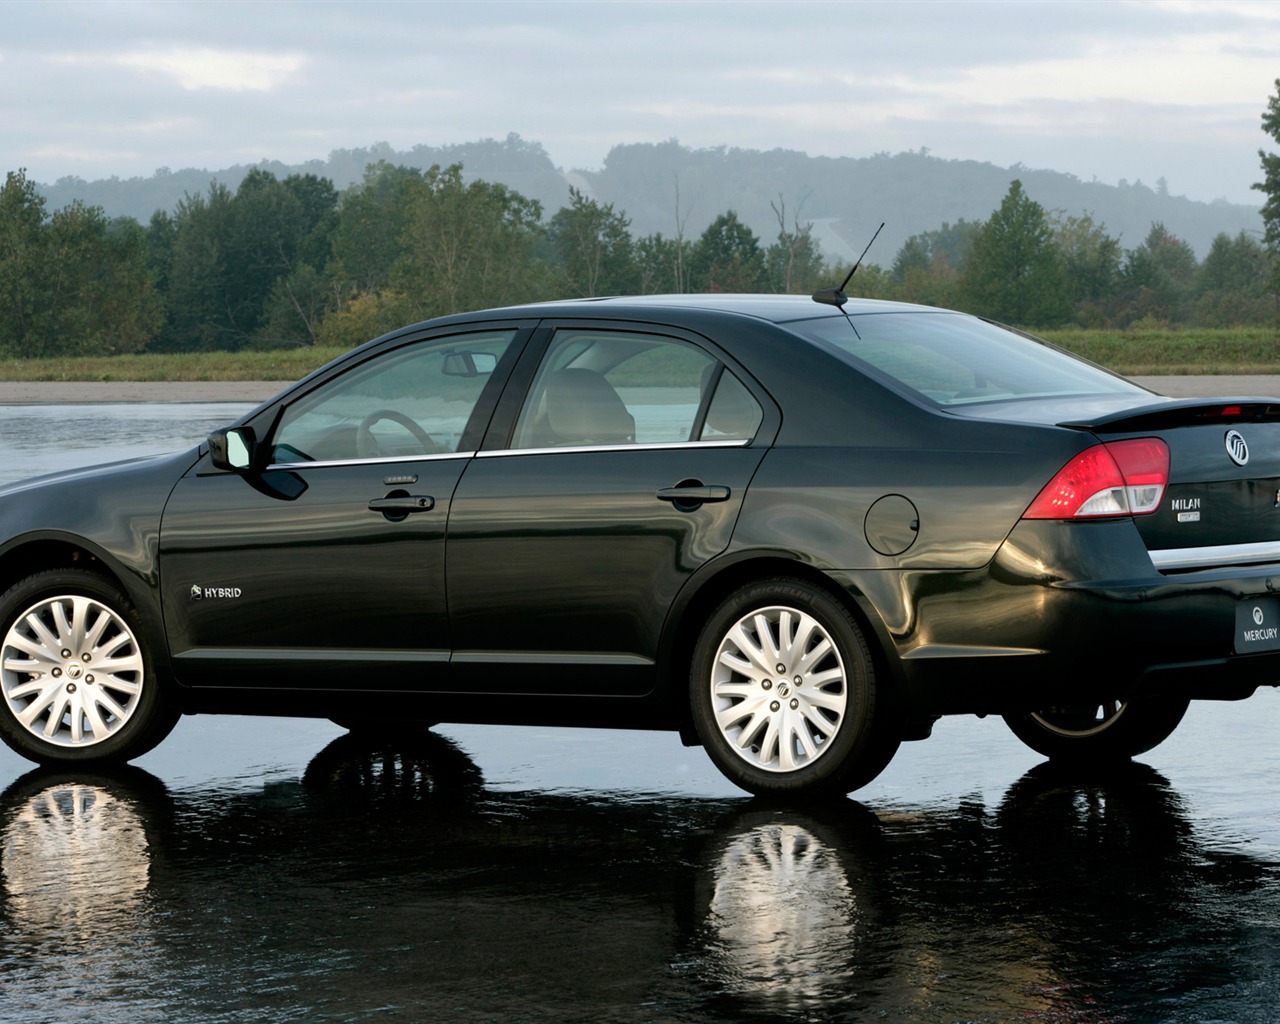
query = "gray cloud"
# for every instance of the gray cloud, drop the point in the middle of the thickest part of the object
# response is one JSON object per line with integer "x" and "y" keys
{"x": 1106, "y": 91}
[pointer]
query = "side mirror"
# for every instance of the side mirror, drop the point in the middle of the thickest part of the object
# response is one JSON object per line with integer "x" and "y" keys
{"x": 233, "y": 449}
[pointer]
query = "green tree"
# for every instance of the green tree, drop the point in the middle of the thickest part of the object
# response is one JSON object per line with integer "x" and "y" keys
{"x": 367, "y": 242}
{"x": 593, "y": 248}
{"x": 794, "y": 263}
{"x": 1014, "y": 272}
{"x": 369, "y": 236}
{"x": 242, "y": 268}
{"x": 300, "y": 218}
{"x": 22, "y": 261}
{"x": 1270, "y": 186}
{"x": 200, "y": 311}
{"x": 317, "y": 200}
{"x": 99, "y": 295}
{"x": 278, "y": 236}
{"x": 936, "y": 283}
{"x": 1157, "y": 278}
{"x": 467, "y": 246}
{"x": 1091, "y": 263}
{"x": 161, "y": 233}
{"x": 73, "y": 283}
{"x": 726, "y": 258}
{"x": 294, "y": 309}
{"x": 914, "y": 257}
{"x": 662, "y": 265}
{"x": 1090, "y": 257}
{"x": 870, "y": 282}
{"x": 1233, "y": 285}
{"x": 928, "y": 266}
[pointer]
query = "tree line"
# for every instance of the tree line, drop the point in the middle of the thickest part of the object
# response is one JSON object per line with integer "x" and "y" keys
{"x": 1027, "y": 267}
{"x": 294, "y": 262}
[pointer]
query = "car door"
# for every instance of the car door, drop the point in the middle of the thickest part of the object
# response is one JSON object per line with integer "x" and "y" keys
{"x": 325, "y": 567}
{"x": 622, "y": 473}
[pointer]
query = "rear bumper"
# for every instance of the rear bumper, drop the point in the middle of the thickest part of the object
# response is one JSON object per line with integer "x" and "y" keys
{"x": 1066, "y": 612}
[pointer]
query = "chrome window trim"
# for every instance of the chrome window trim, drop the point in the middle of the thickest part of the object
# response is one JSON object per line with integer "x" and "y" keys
{"x": 572, "y": 449}
{"x": 435, "y": 457}
{"x": 1216, "y": 555}
{"x": 445, "y": 456}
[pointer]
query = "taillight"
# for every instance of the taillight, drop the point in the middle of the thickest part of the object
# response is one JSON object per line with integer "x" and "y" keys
{"x": 1119, "y": 478}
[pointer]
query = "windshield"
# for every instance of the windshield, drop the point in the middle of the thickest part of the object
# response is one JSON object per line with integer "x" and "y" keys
{"x": 956, "y": 359}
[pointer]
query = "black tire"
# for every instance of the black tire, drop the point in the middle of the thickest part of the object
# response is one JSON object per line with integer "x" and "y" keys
{"x": 1112, "y": 730}
{"x": 814, "y": 721}
{"x": 99, "y": 703}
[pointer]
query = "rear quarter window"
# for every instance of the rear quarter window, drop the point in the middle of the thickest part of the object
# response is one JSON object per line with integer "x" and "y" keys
{"x": 956, "y": 359}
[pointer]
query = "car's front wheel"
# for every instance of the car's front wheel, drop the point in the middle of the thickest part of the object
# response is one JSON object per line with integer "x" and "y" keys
{"x": 1113, "y": 729}
{"x": 76, "y": 682}
{"x": 784, "y": 694}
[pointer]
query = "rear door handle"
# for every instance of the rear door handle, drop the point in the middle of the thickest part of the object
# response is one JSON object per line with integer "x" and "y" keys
{"x": 694, "y": 495}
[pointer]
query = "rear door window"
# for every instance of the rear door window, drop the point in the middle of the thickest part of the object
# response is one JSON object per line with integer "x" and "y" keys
{"x": 607, "y": 388}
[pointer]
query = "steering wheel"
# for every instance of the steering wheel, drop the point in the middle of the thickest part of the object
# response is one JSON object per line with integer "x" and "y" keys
{"x": 367, "y": 446}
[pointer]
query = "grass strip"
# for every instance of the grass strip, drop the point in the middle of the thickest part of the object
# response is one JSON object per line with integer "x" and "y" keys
{"x": 287, "y": 364}
{"x": 1209, "y": 351}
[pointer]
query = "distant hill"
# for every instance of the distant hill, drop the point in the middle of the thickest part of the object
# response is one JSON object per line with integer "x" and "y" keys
{"x": 846, "y": 198}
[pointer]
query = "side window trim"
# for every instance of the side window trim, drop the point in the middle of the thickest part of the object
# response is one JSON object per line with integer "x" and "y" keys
{"x": 655, "y": 446}
{"x": 300, "y": 467}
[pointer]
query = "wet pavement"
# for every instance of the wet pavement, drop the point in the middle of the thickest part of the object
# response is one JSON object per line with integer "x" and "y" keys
{"x": 279, "y": 870}
{"x": 255, "y": 869}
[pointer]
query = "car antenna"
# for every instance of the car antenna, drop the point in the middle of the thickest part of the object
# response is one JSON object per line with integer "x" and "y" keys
{"x": 836, "y": 296}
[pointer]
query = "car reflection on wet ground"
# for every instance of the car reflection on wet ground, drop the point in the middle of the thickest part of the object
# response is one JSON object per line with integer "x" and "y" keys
{"x": 269, "y": 870}
{"x": 237, "y": 879}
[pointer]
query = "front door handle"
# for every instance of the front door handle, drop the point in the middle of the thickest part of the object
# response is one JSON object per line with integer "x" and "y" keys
{"x": 402, "y": 505}
{"x": 687, "y": 497}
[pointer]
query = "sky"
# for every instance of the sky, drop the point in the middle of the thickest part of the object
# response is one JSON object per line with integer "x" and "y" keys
{"x": 1107, "y": 91}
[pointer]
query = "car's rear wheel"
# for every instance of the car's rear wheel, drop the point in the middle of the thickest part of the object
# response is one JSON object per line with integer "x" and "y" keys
{"x": 1114, "y": 729}
{"x": 784, "y": 694}
{"x": 76, "y": 682}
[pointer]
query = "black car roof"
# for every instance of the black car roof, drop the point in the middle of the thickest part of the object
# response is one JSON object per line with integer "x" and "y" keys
{"x": 774, "y": 308}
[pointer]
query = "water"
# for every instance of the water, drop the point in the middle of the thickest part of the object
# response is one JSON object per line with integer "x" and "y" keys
{"x": 39, "y": 439}
{"x": 273, "y": 870}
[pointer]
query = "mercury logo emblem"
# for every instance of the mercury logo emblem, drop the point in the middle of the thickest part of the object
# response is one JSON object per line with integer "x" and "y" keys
{"x": 1257, "y": 615}
{"x": 1237, "y": 448}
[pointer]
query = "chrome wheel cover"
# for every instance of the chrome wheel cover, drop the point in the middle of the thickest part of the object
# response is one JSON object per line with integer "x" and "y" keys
{"x": 778, "y": 689}
{"x": 1082, "y": 721}
{"x": 71, "y": 671}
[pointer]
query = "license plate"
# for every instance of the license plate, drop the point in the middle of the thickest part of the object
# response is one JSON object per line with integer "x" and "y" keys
{"x": 1258, "y": 625}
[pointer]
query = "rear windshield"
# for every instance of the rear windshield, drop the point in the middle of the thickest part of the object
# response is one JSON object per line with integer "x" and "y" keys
{"x": 956, "y": 359}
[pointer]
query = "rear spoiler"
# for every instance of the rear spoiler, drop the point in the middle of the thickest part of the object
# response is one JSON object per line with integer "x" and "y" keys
{"x": 1184, "y": 412}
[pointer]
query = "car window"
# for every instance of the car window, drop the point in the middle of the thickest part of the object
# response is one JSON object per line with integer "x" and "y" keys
{"x": 412, "y": 401}
{"x": 618, "y": 388}
{"x": 955, "y": 359}
{"x": 733, "y": 413}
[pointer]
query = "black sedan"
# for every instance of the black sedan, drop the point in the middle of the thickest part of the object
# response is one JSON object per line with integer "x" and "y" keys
{"x": 796, "y": 532}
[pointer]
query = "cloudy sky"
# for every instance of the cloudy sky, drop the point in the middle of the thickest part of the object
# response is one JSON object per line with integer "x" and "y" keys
{"x": 1103, "y": 90}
